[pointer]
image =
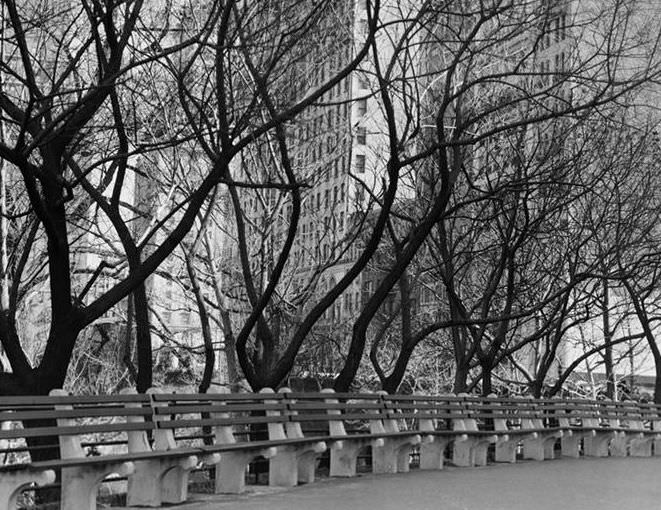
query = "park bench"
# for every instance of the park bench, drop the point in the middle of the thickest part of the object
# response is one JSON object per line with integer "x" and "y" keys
{"x": 243, "y": 427}
{"x": 605, "y": 427}
{"x": 544, "y": 431}
{"x": 651, "y": 416}
{"x": 574, "y": 417}
{"x": 509, "y": 425}
{"x": 349, "y": 424}
{"x": 155, "y": 440}
{"x": 448, "y": 420}
{"x": 40, "y": 424}
{"x": 630, "y": 433}
{"x": 520, "y": 425}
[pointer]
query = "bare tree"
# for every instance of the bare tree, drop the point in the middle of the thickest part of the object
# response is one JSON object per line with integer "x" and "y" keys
{"x": 475, "y": 95}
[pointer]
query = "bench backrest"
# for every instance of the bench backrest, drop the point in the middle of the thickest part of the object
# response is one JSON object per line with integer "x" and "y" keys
{"x": 85, "y": 425}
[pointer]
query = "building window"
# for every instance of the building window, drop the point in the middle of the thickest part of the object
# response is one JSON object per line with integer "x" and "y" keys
{"x": 360, "y": 163}
{"x": 361, "y": 135}
{"x": 361, "y": 107}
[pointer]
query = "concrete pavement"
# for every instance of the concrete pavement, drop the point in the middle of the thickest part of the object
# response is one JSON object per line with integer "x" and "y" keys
{"x": 564, "y": 484}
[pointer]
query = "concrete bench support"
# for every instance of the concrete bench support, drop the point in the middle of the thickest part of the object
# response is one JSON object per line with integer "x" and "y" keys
{"x": 506, "y": 445}
{"x": 156, "y": 481}
{"x": 570, "y": 443}
{"x": 232, "y": 465}
{"x": 623, "y": 442}
{"x": 539, "y": 446}
{"x": 12, "y": 484}
{"x": 656, "y": 439}
{"x": 80, "y": 484}
{"x": 393, "y": 455}
{"x": 344, "y": 452}
{"x": 506, "y": 448}
{"x": 432, "y": 452}
{"x": 623, "y": 439}
{"x": 307, "y": 455}
{"x": 175, "y": 472}
{"x": 533, "y": 448}
{"x": 344, "y": 456}
{"x": 596, "y": 445}
{"x": 291, "y": 464}
{"x": 470, "y": 449}
{"x": 641, "y": 446}
{"x": 432, "y": 448}
{"x": 231, "y": 470}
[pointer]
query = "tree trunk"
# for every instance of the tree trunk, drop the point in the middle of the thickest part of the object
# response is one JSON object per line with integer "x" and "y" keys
{"x": 233, "y": 370}
{"x": 461, "y": 378}
{"x": 143, "y": 339}
{"x": 487, "y": 383}
{"x": 608, "y": 351}
{"x": 209, "y": 355}
{"x": 344, "y": 379}
{"x": 641, "y": 313}
{"x": 536, "y": 388}
{"x": 657, "y": 382}
{"x": 392, "y": 382}
{"x": 127, "y": 357}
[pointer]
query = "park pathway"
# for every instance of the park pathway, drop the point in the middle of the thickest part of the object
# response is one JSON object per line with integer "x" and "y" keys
{"x": 565, "y": 484}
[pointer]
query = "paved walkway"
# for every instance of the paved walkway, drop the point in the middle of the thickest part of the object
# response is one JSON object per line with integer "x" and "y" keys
{"x": 565, "y": 484}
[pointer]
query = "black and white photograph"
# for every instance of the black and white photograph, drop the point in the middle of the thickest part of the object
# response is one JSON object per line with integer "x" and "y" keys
{"x": 330, "y": 254}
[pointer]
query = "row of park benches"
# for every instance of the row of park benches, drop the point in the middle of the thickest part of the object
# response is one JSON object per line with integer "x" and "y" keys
{"x": 157, "y": 439}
